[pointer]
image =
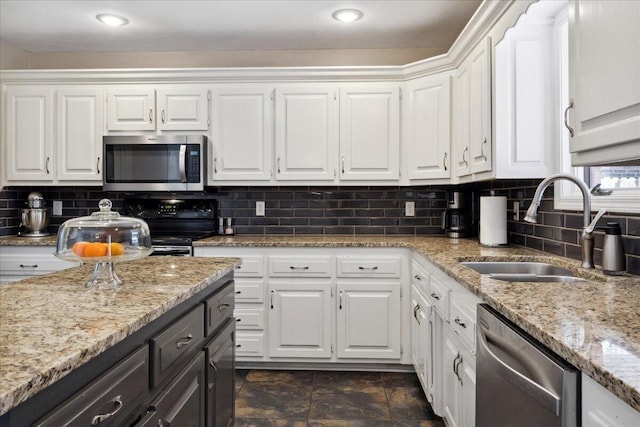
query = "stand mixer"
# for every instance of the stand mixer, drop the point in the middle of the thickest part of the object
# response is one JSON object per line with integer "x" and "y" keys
{"x": 35, "y": 218}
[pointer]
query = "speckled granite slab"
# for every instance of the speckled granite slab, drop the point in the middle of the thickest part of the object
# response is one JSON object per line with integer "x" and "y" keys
{"x": 28, "y": 241}
{"x": 51, "y": 324}
{"x": 595, "y": 325}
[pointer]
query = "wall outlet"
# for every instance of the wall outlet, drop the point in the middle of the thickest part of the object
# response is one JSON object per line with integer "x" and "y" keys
{"x": 409, "y": 208}
{"x": 57, "y": 208}
{"x": 260, "y": 208}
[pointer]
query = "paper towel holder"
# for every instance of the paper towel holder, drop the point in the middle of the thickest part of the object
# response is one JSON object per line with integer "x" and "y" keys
{"x": 493, "y": 220}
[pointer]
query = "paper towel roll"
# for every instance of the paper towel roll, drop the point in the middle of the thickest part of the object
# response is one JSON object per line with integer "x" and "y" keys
{"x": 493, "y": 220}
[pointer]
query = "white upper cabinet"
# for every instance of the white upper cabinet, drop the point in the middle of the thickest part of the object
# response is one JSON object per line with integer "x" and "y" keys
{"x": 183, "y": 108}
{"x": 461, "y": 121}
{"x": 427, "y": 127}
{"x": 370, "y": 133}
{"x": 604, "y": 81}
{"x": 242, "y": 134}
{"x": 306, "y": 133}
{"x": 527, "y": 96}
{"x": 29, "y": 134}
{"x": 133, "y": 108}
{"x": 79, "y": 123}
{"x": 479, "y": 63}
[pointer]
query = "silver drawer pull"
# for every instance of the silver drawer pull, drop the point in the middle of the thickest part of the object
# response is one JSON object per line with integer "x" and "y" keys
{"x": 435, "y": 296}
{"x": 375, "y": 267}
{"x": 458, "y": 322}
{"x": 29, "y": 266}
{"x": 417, "y": 277}
{"x": 238, "y": 292}
{"x": 238, "y": 320}
{"x": 184, "y": 341}
{"x": 100, "y": 418}
{"x": 293, "y": 267}
{"x": 238, "y": 345}
{"x": 238, "y": 267}
{"x": 223, "y": 307}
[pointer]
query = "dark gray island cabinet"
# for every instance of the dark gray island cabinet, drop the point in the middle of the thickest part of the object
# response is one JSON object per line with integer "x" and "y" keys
{"x": 178, "y": 370}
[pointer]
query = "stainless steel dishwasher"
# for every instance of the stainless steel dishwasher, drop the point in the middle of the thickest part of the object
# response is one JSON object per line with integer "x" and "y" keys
{"x": 518, "y": 382}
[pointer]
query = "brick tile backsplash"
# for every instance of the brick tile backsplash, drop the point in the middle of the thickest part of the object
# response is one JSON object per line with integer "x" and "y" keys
{"x": 357, "y": 210}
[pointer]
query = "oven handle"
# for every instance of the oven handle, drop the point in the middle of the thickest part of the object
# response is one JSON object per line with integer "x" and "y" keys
{"x": 183, "y": 162}
{"x": 178, "y": 251}
{"x": 545, "y": 397}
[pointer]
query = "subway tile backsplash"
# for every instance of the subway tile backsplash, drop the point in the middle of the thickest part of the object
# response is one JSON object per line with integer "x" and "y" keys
{"x": 357, "y": 210}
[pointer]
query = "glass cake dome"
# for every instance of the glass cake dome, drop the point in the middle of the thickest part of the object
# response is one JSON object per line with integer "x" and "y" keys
{"x": 103, "y": 238}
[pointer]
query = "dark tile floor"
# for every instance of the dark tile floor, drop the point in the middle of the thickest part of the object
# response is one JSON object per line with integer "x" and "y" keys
{"x": 331, "y": 399}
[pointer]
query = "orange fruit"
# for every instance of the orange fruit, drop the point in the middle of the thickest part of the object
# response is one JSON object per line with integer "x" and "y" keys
{"x": 116, "y": 249}
{"x": 79, "y": 247}
{"x": 95, "y": 249}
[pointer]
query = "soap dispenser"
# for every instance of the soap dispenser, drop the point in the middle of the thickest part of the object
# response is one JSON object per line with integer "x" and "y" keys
{"x": 613, "y": 257}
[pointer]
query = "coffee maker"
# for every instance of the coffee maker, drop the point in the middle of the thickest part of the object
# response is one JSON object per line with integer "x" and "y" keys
{"x": 456, "y": 219}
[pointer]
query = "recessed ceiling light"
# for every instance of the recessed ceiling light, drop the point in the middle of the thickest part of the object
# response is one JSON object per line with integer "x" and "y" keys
{"x": 347, "y": 15}
{"x": 112, "y": 20}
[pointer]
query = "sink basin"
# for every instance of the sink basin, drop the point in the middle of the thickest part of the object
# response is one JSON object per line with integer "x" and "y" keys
{"x": 520, "y": 271}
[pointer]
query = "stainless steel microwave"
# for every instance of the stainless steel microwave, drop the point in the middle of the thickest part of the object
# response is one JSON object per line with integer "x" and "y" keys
{"x": 154, "y": 163}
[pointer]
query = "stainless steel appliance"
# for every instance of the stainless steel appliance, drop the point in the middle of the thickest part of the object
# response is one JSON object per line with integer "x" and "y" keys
{"x": 518, "y": 382}
{"x": 155, "y": 163}
{"x": 35, "y": 219}
{"x": 456, "y": 219}
{"x": 175, "y": 223}
{"x": 613, "y": 257}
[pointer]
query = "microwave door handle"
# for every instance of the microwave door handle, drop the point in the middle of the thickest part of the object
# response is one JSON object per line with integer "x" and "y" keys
{"x": 183, "y": 163}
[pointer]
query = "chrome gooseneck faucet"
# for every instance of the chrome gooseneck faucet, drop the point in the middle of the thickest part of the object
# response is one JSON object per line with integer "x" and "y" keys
{"x": 589, "y": 226}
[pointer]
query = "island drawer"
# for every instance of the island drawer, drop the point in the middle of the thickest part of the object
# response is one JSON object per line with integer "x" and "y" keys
{"x": 297, "y": 266}
{"x": 219, "y": 308}
{"x": 252, "y": 266}
{"x": 368, "y": 266}
{"x": 170, "y": 347}
{"x": 115, "y": 398}
{"x": 248, "y": 290}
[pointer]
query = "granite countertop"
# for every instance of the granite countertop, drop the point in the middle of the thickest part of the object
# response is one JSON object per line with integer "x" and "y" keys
{"x": 28, "y": 241}
{"x": 595, "y": 325}
{"x": 52, "y": 324}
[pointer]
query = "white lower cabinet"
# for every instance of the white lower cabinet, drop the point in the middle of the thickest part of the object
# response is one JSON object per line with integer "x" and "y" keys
{"x": 421, "y": 341}
{"x": 368, "y": 320}
{"x": 458, "y": 381}
{"x": 300, "y": 319}
{"x": 600, "y": 408}
{"x": 23, "y": 262}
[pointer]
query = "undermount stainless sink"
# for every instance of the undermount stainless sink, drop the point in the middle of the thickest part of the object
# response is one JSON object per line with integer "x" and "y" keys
{"x": 522, "y": 271}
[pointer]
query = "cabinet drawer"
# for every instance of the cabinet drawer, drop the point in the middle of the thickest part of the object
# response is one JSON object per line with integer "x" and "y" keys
{"x": 170, "y": 347}
{"x": 310, "y": 266}
{"x": 120, "y": 392}
{"x": 463, "y": 324}
{"x": 368, "y": 266}
{"x": 420, "y": 278}
{"x": 249, "y": 291}
{"x": 249, "y": 344}
{"x": 20, "y": 265}
{"x": 249, "y": 318}
{"x": 219, "y": 308}
{"x": 252, "y": 266}
{"x": 438, "y": 295}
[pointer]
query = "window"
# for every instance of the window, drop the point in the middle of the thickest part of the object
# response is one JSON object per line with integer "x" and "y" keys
{"x": 624, "y": 181}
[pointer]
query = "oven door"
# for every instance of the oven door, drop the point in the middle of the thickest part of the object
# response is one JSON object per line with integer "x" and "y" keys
{"x": 172, "y": 251}
{"x": 153, "y": 163}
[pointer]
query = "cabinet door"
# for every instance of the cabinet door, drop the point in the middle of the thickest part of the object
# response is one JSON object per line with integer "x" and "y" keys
{"x": 450, "y": 379}
{"x": 242, "y": 135}
{"x": 428, "y": 128}
{"x": 480, "y": 107}
{"x": 183, "y": 108}
{"x": 300, "y": 319}
{"x": 306, "y": 133}
{"x": 370, "y": 133}
{"x": 221, "y": 378}
{"x": 131, "y": 108}
{"x": 79, "y": 118}
{"x": 461, "y": 118}
{"x": 601, "y": 408}
{"x": 182, "y": 404}
{"x": 29, "y": 134}
{"x": 369, "y": 320}
{"x": 604, "y": 78}
{"x": 421, "y": 339}
{"x": 467, "y": 372}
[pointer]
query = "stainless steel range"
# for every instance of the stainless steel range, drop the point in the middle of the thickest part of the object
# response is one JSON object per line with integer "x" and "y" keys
{"x": 175, "y": 223}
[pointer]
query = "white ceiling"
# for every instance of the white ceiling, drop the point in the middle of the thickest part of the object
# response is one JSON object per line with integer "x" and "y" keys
{"x": 206, "y": 25}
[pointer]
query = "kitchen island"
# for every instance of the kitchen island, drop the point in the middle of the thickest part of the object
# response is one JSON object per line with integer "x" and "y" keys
{"x": 53, "y": 328}
{"x": 594, "y": 325}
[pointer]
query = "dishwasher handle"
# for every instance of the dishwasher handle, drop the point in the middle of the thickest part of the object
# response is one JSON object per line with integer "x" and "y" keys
{"x": 545, "y": 397}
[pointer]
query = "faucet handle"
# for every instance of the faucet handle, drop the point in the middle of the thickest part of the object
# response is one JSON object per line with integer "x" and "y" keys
{"x": 589, "y": 229}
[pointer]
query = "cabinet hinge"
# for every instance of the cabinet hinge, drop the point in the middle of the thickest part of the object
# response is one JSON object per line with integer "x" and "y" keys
{"x": 272, "y": 94}
{"x": 331, "y": 348}
{"x": 400, "y": 292}
{"x": 400, "y": 93}
{"x": 401, "y": 350}
{"x": 331, "y": 292}
{"x": 335, "y": 96}
{"x": 209, "y": 95}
